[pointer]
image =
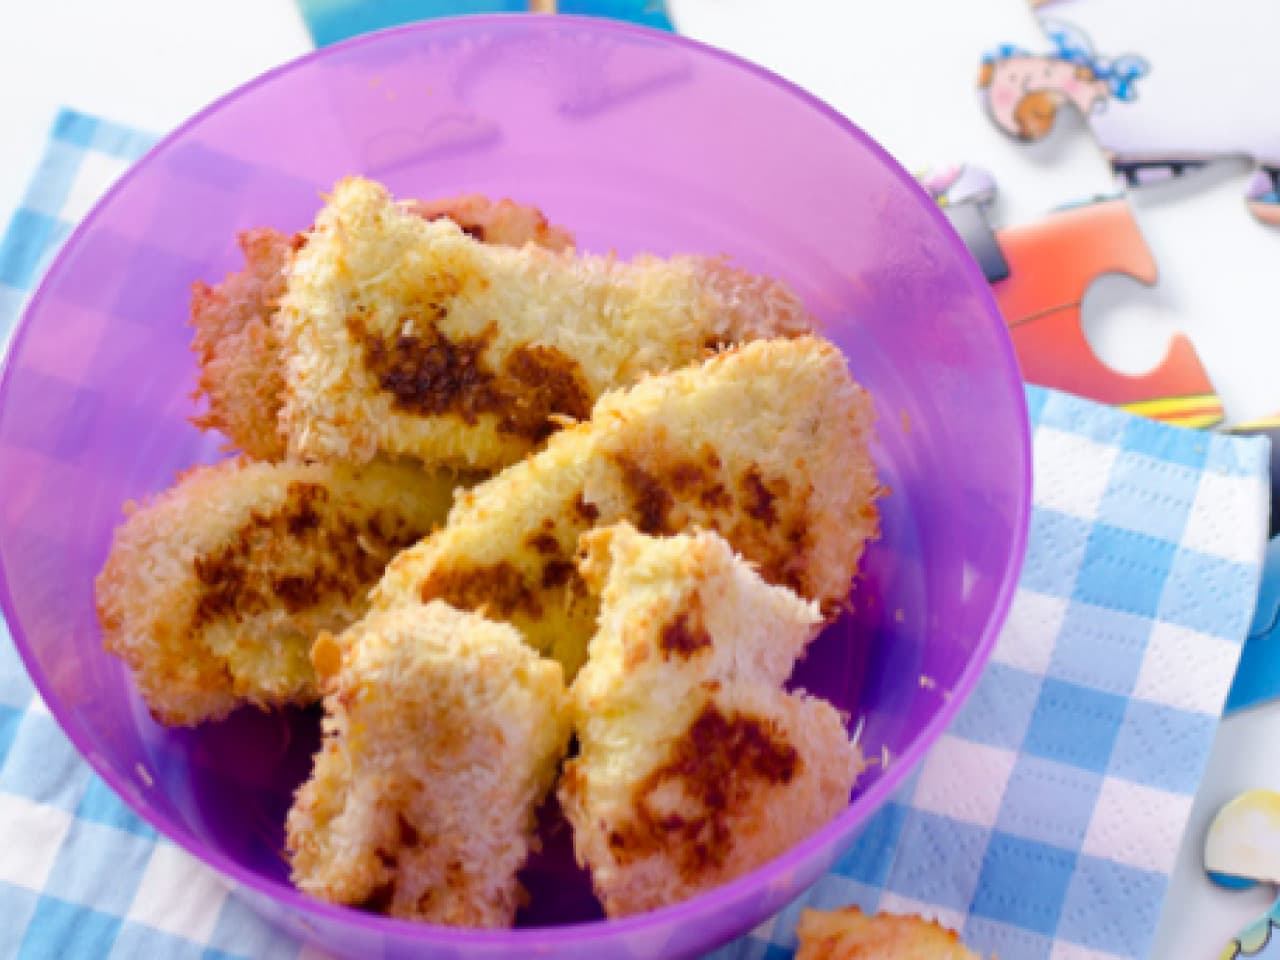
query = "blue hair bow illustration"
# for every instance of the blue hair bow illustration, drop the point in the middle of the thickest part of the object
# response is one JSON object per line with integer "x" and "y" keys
{"x": 1004, "y": 52}
{"x": 1121, "y": 74}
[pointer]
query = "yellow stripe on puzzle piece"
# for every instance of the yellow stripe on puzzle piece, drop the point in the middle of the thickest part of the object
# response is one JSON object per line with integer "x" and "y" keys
{"x": 1198, "y": 410}
{"x": 1257, "y": 426}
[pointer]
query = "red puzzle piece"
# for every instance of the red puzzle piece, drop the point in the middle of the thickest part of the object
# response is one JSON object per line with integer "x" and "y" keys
{"x": 1039, "y": 273}
{"x": 1051, "y": 265}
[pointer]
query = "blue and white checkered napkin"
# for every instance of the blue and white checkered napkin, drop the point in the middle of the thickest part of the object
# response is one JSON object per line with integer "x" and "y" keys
{"x": 1045, "y": 822}
{"x": 1043, "y": 825}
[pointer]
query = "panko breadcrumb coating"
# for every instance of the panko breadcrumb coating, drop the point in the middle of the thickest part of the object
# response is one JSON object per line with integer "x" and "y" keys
{"x": 241, "y": 369}
{"x": 214, "y": 590}
{"x": 406, "y": 336}
{"x": 241, "y": 373}
{"x": 443, "y": 732}
{"x": 766, "y": 443}
{"x": 849, "y": 934}
{"x": 695, "y": 765}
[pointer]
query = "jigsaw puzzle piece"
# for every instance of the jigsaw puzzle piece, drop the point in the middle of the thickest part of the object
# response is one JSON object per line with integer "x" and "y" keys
{"x": 1242, "y": 845}
{"x": 1263, "y": 194}
{"x": 1160, "y": 100}
{"x": 1051, "y": 264}
{"x": 965, "y": 193}
{"x": 1259, "y": 941}
{"x": 958, "y": 183}
{"x": 1242, "y": 849}
{"x": 1039, "y": 274}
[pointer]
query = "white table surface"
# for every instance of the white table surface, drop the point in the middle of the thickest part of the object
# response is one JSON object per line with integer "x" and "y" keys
{"x": 902, "y": 71}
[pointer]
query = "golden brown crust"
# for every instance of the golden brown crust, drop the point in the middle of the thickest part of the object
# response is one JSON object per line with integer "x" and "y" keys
{"x": 241, "y": 366}
{"x": 767, "y": 444}
{"x": 213, "y": 590}
{"x": 716, "y": 765}
{"x": 406, "y": 336}
{"x": 443, "y": 731}
{"x": 241, "y": 373}
{"x": 849, "y": 934}
{"x": 429, "y": 375}
{"x": 694, "y": 765}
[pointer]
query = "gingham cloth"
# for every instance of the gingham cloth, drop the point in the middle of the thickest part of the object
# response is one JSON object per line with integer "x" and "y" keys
{"x": 1043, "y": 825}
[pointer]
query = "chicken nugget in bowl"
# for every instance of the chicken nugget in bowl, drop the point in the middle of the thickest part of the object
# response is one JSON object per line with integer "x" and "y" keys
{"x": 696, "y": 765}
{"x": 214, "y": 590}
{"x": 443, "y": 732}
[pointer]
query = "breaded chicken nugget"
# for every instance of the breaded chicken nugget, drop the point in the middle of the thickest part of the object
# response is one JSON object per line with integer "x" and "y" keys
{"x": 849, "y": 934}
{"x": 443, "y": 732}
{"x": 408, "y": 337}
{"x": 241, "y": 369}
{"x": 214, "y": 590}
{"x": 695, "y": 766}
{"x": 766, "y": 443}
{"x": 241, "y": 372}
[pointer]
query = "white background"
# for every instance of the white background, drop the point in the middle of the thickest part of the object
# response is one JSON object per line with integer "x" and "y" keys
{"x": 904, "y": 72}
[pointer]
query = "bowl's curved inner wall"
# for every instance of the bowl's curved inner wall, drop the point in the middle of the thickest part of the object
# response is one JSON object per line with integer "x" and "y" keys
{"x": 635, "y": 144}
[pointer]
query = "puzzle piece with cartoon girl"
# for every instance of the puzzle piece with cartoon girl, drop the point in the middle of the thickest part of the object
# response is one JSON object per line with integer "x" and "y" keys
{"x": 1165, "y": 87}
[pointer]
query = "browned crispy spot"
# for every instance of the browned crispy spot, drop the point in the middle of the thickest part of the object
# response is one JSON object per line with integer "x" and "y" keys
{"x": 545, "y": 543}
{"x": 296, "y": 593}
{"x": 557, "y": 573}
{"x": 649, "y": 497}
{"x": 408, "y": 835}
{"x": 716, "y": 497}
{"x": 715, "y": 342}
{"x": 500, "y": 587}
{"x": 686, "y": 475}
{"x": 588, "y": 512}
{"x": 777, "y": 537}
{"x": 769, "y": 526}
{"x": 685, "y": 635}
{"x": 307, "y": 551}
{"x": 664, "y": 481}
{"x": 716, "y": 768}
{"x": 790, "y": 568}
{"x": 550, "y": 382}
{"x": 699, "y": 480}
{"x": 429, "y": 374}
{"x": 380, "y": 898}
{"x": 759, "y": 499}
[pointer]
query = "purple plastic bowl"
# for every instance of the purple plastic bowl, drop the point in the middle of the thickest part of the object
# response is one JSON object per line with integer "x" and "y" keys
{"x": 638, "y": 141}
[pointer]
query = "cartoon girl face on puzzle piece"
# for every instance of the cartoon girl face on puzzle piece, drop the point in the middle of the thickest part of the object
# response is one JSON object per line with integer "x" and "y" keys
{"x": 1023, "y": 91}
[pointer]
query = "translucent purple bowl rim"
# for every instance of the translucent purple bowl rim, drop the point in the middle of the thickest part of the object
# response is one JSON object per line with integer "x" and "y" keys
{"x": 838, "y": 830}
